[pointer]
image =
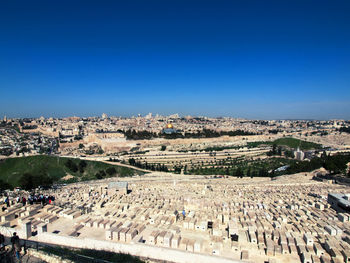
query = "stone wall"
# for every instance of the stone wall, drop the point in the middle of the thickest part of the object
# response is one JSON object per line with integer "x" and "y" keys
{"x": 47, "y": 257}
{"x": 141, "y": 250}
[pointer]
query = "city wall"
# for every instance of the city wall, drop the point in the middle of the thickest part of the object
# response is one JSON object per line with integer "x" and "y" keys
{"x": 141, "y": 250}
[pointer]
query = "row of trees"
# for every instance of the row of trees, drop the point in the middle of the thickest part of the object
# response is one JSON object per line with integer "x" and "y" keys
{"x": 335, "y": 164}
{"x": 73, "y": 167}
{"x": 147, "y": 166}
{"x": 236, "y": 172}
{"x": 344, "y": 129}
{"x": 28, "y": 181}
{"x": 139, "y": 135}
{"x": 205, "y": 133}
{"x": 275, "y": 150}
{"x": 279, "y": 150}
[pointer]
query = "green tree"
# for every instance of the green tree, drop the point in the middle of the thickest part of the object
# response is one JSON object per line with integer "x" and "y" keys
{"x": 132, "y": 161}
{"x": 279, "y": 150}
{"x": 82, "y": 166}
{"x": 263, "y": 172}
{"x": 101, "y": 174}
{"x": 239, "y": 172}
{"x": 289, "y": 154}
{"x": 26, "y": 181}
{"x": 274, "y": 149}
{"x": 98, "y": 176}
{"x": 248, "y": 172}
{"x": 4, "y": 185}
{"x": 111, "y": 171}
{"x": 71, "y": 166}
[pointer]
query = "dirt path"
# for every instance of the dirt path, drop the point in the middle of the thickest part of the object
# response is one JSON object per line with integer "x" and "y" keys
{"x": 126, "y": 165}
{"x": 100, "y": 159}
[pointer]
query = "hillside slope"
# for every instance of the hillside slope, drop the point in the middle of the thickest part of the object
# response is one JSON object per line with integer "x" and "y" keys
{"x": 45, "y": 170}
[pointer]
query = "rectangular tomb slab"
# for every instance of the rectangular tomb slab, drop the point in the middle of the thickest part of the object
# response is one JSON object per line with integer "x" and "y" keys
{"x": 97, "y": 222}
{"x": 190, "y": 245}
{"x": 160, "y": 238}
{"x": 183, "y": 244}
{"x": 51, "y": 219}
{"x": 167, "y": 239}
{"x": 122, "y": 234}
{"x": 74, "y": 215}
{"x": 175, "y": 241}
{"x": 27, "y": 229}
{"x": 130, "y": 235}
{"x": 109, "y": 234}
{"x": 152, "y": 238}
{"x": 244, "y": 255}
{"x": 41, "y": 228}
{"x": 103, "y": 224}
{"x": 116, "y": 234}
{"x": 110, "y": 224}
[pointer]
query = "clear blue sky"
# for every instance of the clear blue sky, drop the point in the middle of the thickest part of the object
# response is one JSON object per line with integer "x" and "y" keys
{"x": 252, "y": 59}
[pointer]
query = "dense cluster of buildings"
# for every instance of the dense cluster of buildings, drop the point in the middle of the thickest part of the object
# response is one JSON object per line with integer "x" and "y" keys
{"x": 13, "y": 143}
{"x": 107, "y": 135}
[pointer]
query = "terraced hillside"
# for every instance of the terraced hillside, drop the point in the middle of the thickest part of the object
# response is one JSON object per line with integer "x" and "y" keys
{"x": 251, "y": 159}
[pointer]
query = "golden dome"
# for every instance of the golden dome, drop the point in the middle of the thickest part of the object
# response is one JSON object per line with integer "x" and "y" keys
{"x": 169, "y": 126}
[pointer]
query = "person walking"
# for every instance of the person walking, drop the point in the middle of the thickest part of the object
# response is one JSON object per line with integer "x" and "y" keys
{"x": 16, "y": 246}
{"x": 30, "y": 199}
{"x": 7, "y": 201}
{"x": 24, "y": 201}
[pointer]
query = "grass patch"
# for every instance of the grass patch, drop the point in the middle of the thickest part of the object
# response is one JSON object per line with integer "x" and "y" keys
{"x": 295, "y": 143}
{"x": 52, "y": 169}
{"x": 288, "y": 142}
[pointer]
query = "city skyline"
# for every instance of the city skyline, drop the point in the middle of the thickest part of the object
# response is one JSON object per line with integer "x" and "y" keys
{"x": 251, "y": 60}
{"x": 171, "y": 115}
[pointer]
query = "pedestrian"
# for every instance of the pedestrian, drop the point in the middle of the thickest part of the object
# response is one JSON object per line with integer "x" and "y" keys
{"x": 30, "y": 199}
{"x": 16, "y": 246}
{"x": 7, "y": 201}
{"x": 2, "y": 242}
{"x": 24, "y": 201}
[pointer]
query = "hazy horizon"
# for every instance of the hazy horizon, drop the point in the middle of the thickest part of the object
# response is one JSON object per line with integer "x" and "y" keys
{"x": 167, "y": 115}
